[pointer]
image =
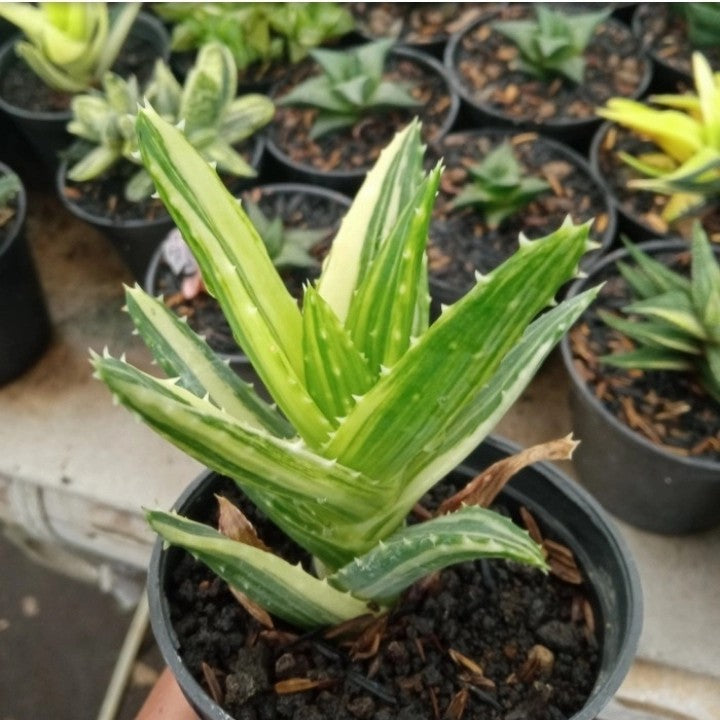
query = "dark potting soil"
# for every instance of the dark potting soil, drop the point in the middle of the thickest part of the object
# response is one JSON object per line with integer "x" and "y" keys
{"x": 642, "y": 206}
{"x": 495, "y": 615}
{"x": 668, "y": 408}
{"x": 104, "y": 197}
{"x": 663, "y": 34}
{"x": 297, "y": 210}
{"x": 483, "y": 62}
{"x": 415, "y": 23}
{"x": 21, "y": 87}
{"x": 358, "y": 147}
{"x": 461, "y": 242}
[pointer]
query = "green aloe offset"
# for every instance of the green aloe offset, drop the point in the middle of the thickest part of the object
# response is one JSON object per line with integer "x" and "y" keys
{"x": 70, "y": 45}
{"x": 350, "y": 86}
{"x": 554, "y": 42}
{"x": 375, "y": 405}
{"x": 675, "y": 322}
{"x": 497, "y": 186}
{"x": 212, "y": 118}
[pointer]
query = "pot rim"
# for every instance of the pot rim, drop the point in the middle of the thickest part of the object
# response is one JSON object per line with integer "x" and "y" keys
{"x": 109, "y": 224}
{"x": 18, "y": 221}
{"x": 149, "y": 284}
{"x": 562, "y": 149}
{"x": 422, "y": 58}
{"x": 660, "y": 245}
{"x": 560, "y": 123}
{"x": 606, "y": 684}
{"x": 8, "y": 47}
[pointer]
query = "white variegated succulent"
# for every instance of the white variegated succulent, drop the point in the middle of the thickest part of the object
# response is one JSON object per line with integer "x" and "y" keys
{"x": 374, "y": 405}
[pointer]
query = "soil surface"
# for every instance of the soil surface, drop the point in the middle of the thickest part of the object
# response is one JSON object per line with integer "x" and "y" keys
{"x": 21, "y": 87}
{"x": 357, "y": 148}
{"x": 297, "y": 210}
{"x": 664, "y": 35}
{"x": 641, "y": 206}
{"x": 415, "y": 23}
{"x": 484, "y": 58}
{"x": 668, "y": 408}
{"x": 480, "y": 641}
{"x": 461, "y": 243}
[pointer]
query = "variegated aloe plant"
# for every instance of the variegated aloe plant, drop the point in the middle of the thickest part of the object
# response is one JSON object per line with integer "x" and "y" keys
{"x": 374, "y": 405}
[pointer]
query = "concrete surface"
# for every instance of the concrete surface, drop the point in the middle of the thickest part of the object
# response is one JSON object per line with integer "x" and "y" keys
{"x": 75, "y": 471}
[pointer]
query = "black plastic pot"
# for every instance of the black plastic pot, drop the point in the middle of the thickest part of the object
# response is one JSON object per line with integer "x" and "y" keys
{"x": 445, "y": 293}
{"x": 561, "y": 507}
{"x": 25, "y": 328}
{"x": 46, "y": 131}
{"x": 238, "y": 360}
{"x": 576, "y": 132}
{"x": 348, "y": 181}
{"x": 633, "y": 478}
{"x": 136, "y": 240}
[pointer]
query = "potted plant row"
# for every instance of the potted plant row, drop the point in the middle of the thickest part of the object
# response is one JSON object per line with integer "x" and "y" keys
{"x": 335, "y": 606}
{"x": 497, "y": 185}
{"x": 644, "y": 365}
{"x": 25, "y": 328}
{"x": 101, "y": 180}
{"x": 533, "y": 67}
{"x": 65, "y": 49}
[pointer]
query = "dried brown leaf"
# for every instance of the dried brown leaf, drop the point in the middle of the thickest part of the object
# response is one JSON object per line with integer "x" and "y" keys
{"x": 212, "y": 682}
{"x": 233, "y": 524}
{"x": 459, "y": 659}
{"x": 253, "y": 609}
{"x": 530, "y": 525}
{"x": 456, "y": 708}
{"x": 538, "y": 664}
{"x": 295, "y": 685}
{"x": 484, "y": 488}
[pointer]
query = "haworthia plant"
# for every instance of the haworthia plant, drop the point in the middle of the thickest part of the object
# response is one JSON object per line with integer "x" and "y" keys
{"x": 375, "y": 405}
{"x": 674, "y": 322}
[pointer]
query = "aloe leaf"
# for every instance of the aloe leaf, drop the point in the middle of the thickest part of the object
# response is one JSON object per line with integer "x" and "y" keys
{"x": 655, "y": 334}
{"x": 705, "y": 284}
{"x": 487, "y": 406}
{"x": 236, "y": 268}
{"x": 122, "y": 22}
{"x": 139, "y": 187}
{"x": 326, "y": 123}
{"x": 49, "y": 73}
{"x": 649, "y": 358}
{"x": 285, "y": 590}
{"x": 639, "y": 283}
{"x": 387, "y": 189}
{"x": 674, "y": 307}
{"x": 183, "y": 354}
{"x": 335, "y": 370}
{"x": 408, "y": 555}
{"x": 228, "y": 160}
{"x": 96, "y": 162}
{"x": 709, "y": 368}
{"x": 382, "y": 312}
{"x": 245, "y": 116}
{"x": 413, "y": 403}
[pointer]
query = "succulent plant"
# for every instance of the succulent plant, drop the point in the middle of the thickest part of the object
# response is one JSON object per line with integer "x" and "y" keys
{"x": 553, "y": 43}
{"x": 351, "y": 86}
{"x": 674, "y": 321}
{"x": 70, "y": 45}
{"x": 212, "y": 118}
{"x": 686, "y": 130}
{"x": 497, "y": 186}
{"x": 703, "y": 22}
{"x": 374, "y": 405}
{"x": 256, "y": 32}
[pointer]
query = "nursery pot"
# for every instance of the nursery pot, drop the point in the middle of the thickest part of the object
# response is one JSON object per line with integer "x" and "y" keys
{"x": 574, "y": 131}
{"x": 24, "y": 321}
{"x": 562, "y": 508}
{"x": 46, "y": 129}
{"x": 136, "y": 239}
{"x": 635, "y": 479}
{"x": 349, "y": 180}
{"x": 238, "y": 360}
{"x": 543, "y": 149}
